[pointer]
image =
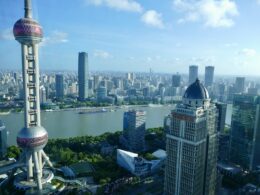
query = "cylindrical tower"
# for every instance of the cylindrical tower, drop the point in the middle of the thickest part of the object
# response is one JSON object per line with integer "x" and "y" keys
{"x": 32, "y": 138}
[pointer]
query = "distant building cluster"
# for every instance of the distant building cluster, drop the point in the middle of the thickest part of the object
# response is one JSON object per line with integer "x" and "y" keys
{"x": 123, "y": 88}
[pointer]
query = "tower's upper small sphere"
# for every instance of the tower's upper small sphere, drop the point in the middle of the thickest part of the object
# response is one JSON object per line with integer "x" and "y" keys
{"x": 27, "y": 31}
{"x": 196, "y": 91}
{"x": 33, "y": 138}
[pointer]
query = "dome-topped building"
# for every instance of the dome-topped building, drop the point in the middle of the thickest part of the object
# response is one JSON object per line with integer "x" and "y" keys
{"x": 196, "y": 95}
{"x": 196, "y": 91}
{"x": 191, "y": 133}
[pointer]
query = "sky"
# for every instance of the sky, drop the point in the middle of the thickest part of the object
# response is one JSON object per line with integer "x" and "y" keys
{"x": 136, "y": 35}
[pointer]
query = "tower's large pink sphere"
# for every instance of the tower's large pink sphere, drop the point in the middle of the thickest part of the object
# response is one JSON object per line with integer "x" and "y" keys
{"x": 32, "y": 138}
{"x": 27, "y": 31}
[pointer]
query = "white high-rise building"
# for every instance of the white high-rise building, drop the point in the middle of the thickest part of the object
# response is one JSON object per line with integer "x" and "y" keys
{"x": 192, "y": 145}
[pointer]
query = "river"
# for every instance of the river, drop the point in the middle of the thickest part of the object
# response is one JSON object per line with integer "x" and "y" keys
{"x": 64, "y": 124}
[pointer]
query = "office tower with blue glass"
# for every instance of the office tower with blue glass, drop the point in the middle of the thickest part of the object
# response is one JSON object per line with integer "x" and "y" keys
{"x": 59, "y": 86}
{"x": 134, "y": 130}
{"x": 83, "y": 75}
{"x": 192, "y": 145}
{"x": 245, "y": 131}
{"x": 193, "y": 73}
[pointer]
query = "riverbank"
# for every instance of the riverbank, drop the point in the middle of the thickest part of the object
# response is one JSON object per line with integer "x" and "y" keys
{"x": 113, "y": 107}
{"x": 68, "y": 123}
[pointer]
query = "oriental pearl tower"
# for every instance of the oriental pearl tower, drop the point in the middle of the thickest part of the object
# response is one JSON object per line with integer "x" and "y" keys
{"x": 33, "y": 137}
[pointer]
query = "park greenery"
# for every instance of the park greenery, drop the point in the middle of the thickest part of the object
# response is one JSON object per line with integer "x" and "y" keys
{"x": 68, "y": 151}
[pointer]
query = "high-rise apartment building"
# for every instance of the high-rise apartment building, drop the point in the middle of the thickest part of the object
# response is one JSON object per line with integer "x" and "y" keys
{"x": 191, "y": 145}
{"x": 193, "y": 73}
{"x": 245, "y": 131}
{"x": 59, "y": 86}
{"x": 134, "y": 130}
{"x": 3, "y": 140}
{"x": 83, "y": 75}
{"x": 209, "y": 75}
{"x": 176, "y": 80}
{"x": 240, "y": 84}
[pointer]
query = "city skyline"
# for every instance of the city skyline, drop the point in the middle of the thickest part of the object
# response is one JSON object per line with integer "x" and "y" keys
{"x": 135, "y": 36}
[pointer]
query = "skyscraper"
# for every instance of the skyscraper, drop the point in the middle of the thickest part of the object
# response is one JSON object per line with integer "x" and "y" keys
{"x": 245, "y": 131}
{"x": 222, "y": 110}
{"x": 134, "y": 130}
{"x": 33, "y": 137}
{"x": 191, "y": 145}
{"x": 59, "y": 85}
{"x": 3, "y": 140}
{"x": 176, "y": 80}
{"x": 240, "y": 84}
{"x": 193, "y": 73}
{"x": 209, "y": 75}
{"x": 83, "y": 75}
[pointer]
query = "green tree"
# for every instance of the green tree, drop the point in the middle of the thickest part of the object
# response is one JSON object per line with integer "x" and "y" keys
{"x": 13, "y": 152}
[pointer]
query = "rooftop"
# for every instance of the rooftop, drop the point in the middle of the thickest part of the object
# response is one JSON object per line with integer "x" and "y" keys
{"x": 196, "y": 91}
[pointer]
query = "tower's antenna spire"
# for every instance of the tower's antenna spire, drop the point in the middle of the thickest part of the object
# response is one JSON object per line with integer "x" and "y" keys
{"x": 27, "y": 9}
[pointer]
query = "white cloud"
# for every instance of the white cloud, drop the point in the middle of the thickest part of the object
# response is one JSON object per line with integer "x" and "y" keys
{"x": 55, "y": 37}
{"x": 213, "y": 13}
{"x": 7, "y": 34}
{"x": 258, "y": 2}
{"x": 148, "y": 59}
{"x": 247, "y": 52}
{"x": 102, "y": 54}
{"x": 122, "y": 5}
{"x": 152, "y": 18}
{"x": 203, "y": 60}
{"x": 230, "y": 44}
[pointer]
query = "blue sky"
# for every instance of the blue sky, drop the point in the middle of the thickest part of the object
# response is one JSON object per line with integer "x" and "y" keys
{"x": 132, "y": 35}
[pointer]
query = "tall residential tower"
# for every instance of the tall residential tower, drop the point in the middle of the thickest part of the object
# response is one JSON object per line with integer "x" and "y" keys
{"x": 191, "y": 145}
{"x": 83, "y": 75}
